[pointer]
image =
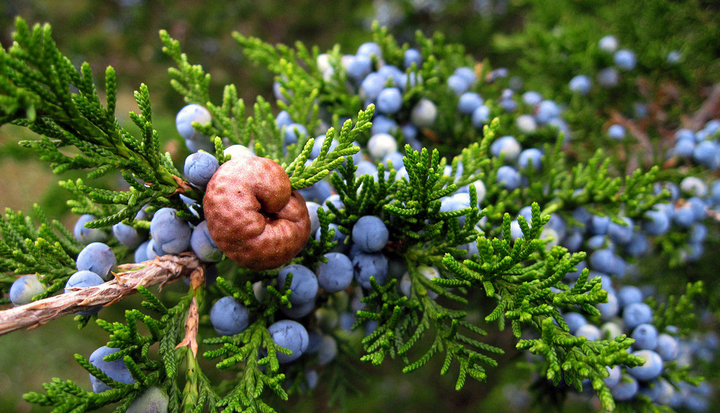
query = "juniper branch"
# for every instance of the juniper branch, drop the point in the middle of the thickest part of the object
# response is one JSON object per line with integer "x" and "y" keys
{"x": 162, "y": 270}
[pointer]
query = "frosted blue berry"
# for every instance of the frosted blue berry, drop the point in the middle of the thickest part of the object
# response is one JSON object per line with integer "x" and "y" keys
{"x": 369, "y": 49}
{"x": 508, "y": 177}
{"x": 684, "y": 134}
{"x": 390, "y": 72}
{"x": 625, "y": 390}
{"x": 530, "y": 158}
{"x": 684, "y": 148}
{"x": 693, "y": 186}
{"x": 636, "y": 314}
{"x": 698, "y": 207}
{"x": 396, "y": 158}
{"x": 611, "y": 330}
{"x": 616, "y": 132}
{"x": 186, "y": 117}
{"x": 458, "y": 84}
{"x": 334, "y": 199}
{"x": 645, "y": 336}
{"x": 480, "y": 116}
{"x": 25, "y": 288}
{"x": 380, "y": 145}
{"x": 580, "y": 84}
{"x": 424, "y": 113}
{"x": 116, "y": 369}
{"x": 229, "y": 317}
{"x": 389, "y": 100}
{"x": 83, "y": 279}
{"x": 371, "y": 87}
{"x": 608, "y": 77}
{"x": 200, "y": 167}
{"x": 298, "y": 311}
{"x": 468, "y": 102}
{"x": 98, "y": 258}
{"x": 613, "y": 377}
{"x": 526, "y": 124}
{"x": 698, "y": 233}
{"x": 603, "y": 260}
{"x": 624, "y": 59}
{"x": 667, "y": 347}
{"x": 705, "y": 153}
{"x": 531, "y": 98}
{"x": 547, "y": 109}
{"x": 629, "y": 294}
{"x": 412, "y": 56}
{"x": 153, "y": 251}
{"x": 85, "y": 235}
{"x": 383, "y": 124}
{"x": 238, "y": 151}
{"x": 359, "y": 67}
{"x": 128, "y": 235}
{"x": 370, "y": 234}
{"x": 304, "y": 284}
{"x": 573, "y": 241}
{"x": 621, "y": 234}
{"x": 712, "y": 126}
{"x": 368, "y": 265}
{"x": 290, "y": 335}
{"x": 318, "y": 192}
{"x": 293, "y": 132}
{"x": 466, "y": 73}
{"x": 588, "y": 331}
{"x": 169, "y": 232}
{"x": 608, "y": 44}
{"x": 610, "y": 309}
{"x": 507, "y": 146}
{"x": 684, "y": 216}
{"x": 312, "y": 208}
{"x": 508, "y": 105}
{"x": 335, "y": 275}
{"x": 203, "y": 245}
{"x": 574, "y": 321}
{"x": 651, "y": 369}
{"x": 657, "y": 222}
{"x": 141, "y": 252}
{"x": 283, "y": 119}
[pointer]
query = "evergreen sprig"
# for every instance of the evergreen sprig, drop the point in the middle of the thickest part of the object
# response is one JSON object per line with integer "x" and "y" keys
{"x": 403, "y": 321}
{"x": 259, "y": 370}
{"x": 575, "y": 359}
{"x": 134, "y": 349}
{"x": 49, "y": 249}
{"x": 41, "y": 76}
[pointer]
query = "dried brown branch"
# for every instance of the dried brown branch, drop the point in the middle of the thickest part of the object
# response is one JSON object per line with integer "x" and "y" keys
{"x": 707, "y": 111}
{"x": 191, "y": 328}
{"x": 159, "y": 271}
{"x": 638, "y": 133}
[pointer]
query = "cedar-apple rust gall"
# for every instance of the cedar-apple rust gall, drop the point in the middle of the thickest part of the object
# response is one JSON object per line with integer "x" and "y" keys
{"x": 253, "y": 215}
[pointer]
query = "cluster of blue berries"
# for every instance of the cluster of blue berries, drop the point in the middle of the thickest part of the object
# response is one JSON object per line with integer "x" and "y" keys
{"x": 701, "y": 147}
{"x": 325, "y": 297}
{"x": 361, "y": 256}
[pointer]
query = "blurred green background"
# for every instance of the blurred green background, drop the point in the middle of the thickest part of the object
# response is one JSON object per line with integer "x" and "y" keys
{"x": 535, "y": 39}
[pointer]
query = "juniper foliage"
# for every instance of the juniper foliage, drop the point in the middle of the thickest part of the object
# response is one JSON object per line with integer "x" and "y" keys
{"x": 521, "y": 279}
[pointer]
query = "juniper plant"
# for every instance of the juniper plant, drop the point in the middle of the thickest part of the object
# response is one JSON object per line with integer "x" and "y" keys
{"x": 473, "y": 248}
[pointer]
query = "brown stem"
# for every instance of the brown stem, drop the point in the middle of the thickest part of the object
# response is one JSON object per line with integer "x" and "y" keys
{"x": 161, "y": 270}
{"x": 707, "y": 111}
{"x": 638, "y": 133}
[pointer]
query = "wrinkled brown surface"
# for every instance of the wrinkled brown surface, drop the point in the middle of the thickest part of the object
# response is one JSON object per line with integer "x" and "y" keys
{"x": 252, "y": 214}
